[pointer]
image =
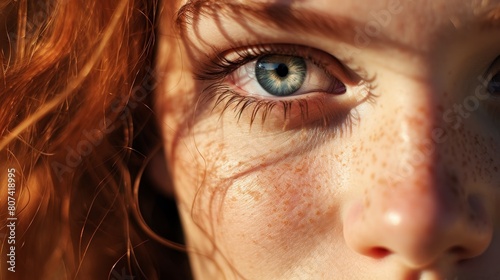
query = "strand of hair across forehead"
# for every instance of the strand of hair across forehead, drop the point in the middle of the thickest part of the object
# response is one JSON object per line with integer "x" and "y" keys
{"x": 21, "y": 32}
{"x": 73, "y": 84}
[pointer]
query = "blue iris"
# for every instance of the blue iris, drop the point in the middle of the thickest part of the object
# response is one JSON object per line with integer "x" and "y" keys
{"x": 494, "y": 85}
{"x": 281, "y": 75}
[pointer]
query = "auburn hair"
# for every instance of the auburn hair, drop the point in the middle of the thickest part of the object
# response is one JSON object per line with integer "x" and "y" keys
{"x": 76, "y": 126}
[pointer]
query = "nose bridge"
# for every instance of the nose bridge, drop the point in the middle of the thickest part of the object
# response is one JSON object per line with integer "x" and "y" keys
{"x": 404, "y": 140}
{"x": 414, "y": 151}
{"x": 414, "y": 174}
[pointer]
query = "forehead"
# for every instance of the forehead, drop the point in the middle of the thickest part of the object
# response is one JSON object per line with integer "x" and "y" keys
{"x": 402, "y": 21}
{"x": 363, "y": 7}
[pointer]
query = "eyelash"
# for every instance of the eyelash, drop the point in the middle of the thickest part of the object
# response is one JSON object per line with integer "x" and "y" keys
{"x": 216, "y": 69}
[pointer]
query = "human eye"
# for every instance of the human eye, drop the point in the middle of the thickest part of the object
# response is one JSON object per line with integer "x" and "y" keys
{"x": 280, "y": 76}
{"x": 299, "y": 84}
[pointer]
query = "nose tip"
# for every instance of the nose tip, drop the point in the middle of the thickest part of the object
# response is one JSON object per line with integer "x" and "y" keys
{"x": 418, "y": 230}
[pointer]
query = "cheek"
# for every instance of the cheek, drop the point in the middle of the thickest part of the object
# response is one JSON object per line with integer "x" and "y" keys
{"x": 477, "y": 153}
{"x": 279, "y": 211}
{"x": 279, "y": 197}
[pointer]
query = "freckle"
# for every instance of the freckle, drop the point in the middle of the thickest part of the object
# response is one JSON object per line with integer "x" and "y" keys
{"x": 367, "y": 202}
{"x": 382, "y": 181}
{"x": 255, "y": 195}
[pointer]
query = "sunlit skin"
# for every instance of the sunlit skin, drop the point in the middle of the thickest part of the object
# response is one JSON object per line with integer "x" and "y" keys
{"x": 396, "y": 178}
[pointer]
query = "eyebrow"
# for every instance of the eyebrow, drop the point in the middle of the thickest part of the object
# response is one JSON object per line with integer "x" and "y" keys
{"x": 284, "y": 16}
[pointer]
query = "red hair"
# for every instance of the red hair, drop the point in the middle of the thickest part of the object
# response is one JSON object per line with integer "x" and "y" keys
{"x": 75, "y": 119}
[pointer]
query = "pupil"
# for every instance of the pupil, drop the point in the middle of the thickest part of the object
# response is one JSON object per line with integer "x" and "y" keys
{"x": 282, "y": 70}
{"x": 280, "y": 75}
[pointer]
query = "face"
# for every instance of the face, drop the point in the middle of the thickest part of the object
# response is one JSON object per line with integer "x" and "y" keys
{"x": 327, "y": 139}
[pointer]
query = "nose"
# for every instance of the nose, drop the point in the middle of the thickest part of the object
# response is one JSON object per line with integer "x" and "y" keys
{"x": 418, "y": 228}
{"x": 415, "y": 210}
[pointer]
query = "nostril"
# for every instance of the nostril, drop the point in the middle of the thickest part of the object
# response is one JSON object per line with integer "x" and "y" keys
{"x": 379, "y": 252}
{"x": 460, "y": 253}
{"x": 457, "y": 250}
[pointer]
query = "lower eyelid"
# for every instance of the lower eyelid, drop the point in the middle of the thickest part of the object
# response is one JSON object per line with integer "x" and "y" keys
{"x": 315, "y": 109}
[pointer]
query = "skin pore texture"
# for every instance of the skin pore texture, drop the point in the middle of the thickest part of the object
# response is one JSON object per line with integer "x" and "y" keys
{"x": 394, "y": 178}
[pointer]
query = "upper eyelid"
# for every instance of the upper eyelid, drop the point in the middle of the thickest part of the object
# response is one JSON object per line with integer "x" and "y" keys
{"x": 324, "y": 60}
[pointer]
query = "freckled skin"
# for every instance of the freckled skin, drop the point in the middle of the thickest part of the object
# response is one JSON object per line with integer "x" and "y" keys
{"x": 381, "y": 200}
